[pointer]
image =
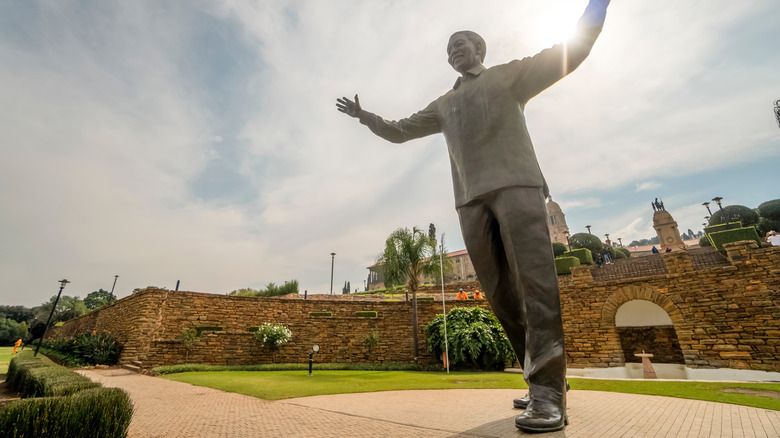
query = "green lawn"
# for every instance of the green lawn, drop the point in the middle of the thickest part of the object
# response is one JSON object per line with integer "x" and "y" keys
{"x": 276, "y": 385}
{"x": 5, "y": 359}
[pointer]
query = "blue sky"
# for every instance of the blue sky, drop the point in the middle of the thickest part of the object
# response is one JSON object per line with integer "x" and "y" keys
{"x": 199, "y": 141}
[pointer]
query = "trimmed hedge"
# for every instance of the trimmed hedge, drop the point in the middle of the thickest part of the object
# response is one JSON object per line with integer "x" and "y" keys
{"x": 721, "y": 238}
{"x": 59, "y": 402}
{"x": 563, "y": 265}
{"x": 582, "y": 254}
{"x": 720, "y": 227}
{"x": 97, "y": 412}
{"x": 207, "y": 328}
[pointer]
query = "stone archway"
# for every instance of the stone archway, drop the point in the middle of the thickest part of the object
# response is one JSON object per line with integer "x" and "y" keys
{"x": 622, "y": 343}
{"x": 643, "y": 326}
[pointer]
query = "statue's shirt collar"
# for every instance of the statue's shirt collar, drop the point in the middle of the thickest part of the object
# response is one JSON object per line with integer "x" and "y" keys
{"x": 471, "y": 73}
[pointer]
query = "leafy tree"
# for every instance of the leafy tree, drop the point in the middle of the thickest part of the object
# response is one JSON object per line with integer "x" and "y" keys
{"x": 271, "y": 290}
{"x": 98, "y": 298}
{"x": 735, "y": 213}
{"x": 17, "y": 313}
{"x": 408, "y": 255}
{"x": 11, "y": 330}
{"x": 187, "y": 339}
{"x": 643, "y": 242}
{"x": 67, "y": 308}
{"x": 587, "y": 240}
{"x": 769, "y": 217}
{"x": 558, "y": 249}
{"x": 475, "y": 337}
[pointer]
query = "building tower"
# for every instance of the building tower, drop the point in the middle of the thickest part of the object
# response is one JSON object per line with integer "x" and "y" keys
{"x": 556, "y": 222}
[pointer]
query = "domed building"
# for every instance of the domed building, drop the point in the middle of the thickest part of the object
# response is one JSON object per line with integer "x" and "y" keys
{"x": 556, "y": 222}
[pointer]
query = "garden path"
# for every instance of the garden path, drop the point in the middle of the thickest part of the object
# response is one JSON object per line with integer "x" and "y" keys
{"x": 165, "y": 408}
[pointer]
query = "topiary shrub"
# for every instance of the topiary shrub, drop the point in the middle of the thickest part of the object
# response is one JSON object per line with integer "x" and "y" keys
{"x": 704, "y": 241}
{"x": 623, "y": 251}
{"x": 563, "y": 265}
{"x": 723, "y": 237}
{"x": 476, "y": 339}
{"x": 583, "y": 254}
{"x": 735, "y": 213}
{"x": 720, "y": 227}
{"x": 558, "y": 249}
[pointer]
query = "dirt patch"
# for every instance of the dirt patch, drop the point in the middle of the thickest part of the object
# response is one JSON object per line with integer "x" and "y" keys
{"x": 756, "y": 392}
{"x": 7, "y": 394}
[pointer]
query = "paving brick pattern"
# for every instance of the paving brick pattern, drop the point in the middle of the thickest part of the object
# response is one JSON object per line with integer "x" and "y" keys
{"x": 164, "y": 408}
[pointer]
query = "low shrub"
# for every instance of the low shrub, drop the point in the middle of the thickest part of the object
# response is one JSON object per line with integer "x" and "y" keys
{"x": 558, "y": 249}
{"x": 100, "y": 412}
{"x": 720, "y": 227}
{"x": 476, "y": 339}
{"x": 86, "y": 349}
{"x": 584, "y": 255}
{"x": 563, "y": 265}
{"x": 623, "y": 251}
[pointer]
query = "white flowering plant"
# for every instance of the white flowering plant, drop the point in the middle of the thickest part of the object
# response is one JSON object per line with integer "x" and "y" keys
{"x": 273, "y": 336}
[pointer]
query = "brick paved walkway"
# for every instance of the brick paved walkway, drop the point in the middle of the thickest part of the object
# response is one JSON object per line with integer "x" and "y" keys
{"x": 172, "y": 409}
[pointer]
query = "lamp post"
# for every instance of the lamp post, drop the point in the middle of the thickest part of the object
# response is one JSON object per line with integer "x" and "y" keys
{"x": 568, "y": 243}
{"x": 315, "y": 348}
{"x": 777, "y": 111}
{"x": 332, "y": 261}
{"x": 722, "y": 213}
{"x": 620, "y": 239}
{"x": 608, "y": 242}
{"x": 112, "y": 287}
{"x": 588, "y": 227}
{"x": 62, "y": 286}
{"x": 707, "y": 204}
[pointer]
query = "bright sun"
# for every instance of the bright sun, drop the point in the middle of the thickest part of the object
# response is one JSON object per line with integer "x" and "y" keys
{"x": 555, "y": 25}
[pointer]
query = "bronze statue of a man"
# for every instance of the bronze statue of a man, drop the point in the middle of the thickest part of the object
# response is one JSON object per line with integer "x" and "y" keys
{"x": 500, "y": 197}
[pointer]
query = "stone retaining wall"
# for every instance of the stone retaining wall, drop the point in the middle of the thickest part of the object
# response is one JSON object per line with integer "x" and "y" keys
{"x": 725, "y": 316}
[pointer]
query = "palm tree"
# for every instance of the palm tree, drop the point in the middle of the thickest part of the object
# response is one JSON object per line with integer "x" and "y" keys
{"x": 408, "y": 255}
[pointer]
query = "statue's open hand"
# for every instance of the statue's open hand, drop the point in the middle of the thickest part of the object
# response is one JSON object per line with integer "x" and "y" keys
{"x": 349, "y": 107}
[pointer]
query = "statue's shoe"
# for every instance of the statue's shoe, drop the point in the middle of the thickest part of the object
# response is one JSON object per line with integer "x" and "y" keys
{"x": 541, "y": 417}
{"x": 522, "y": 403}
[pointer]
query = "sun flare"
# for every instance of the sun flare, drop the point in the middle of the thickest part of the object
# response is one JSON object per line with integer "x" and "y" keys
{"x": 555, "y": 25}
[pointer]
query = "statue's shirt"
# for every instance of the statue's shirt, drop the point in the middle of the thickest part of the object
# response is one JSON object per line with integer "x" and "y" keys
{"x": 483, "y": 122}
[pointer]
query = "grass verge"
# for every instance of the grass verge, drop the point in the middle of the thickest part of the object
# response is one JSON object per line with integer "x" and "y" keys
{"x": 277, "y": 385}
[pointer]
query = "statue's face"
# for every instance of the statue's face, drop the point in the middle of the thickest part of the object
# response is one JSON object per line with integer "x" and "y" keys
{"x": 462, "y": 54}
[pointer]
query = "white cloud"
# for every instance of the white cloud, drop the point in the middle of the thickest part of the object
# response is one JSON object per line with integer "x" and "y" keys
{"x": 647, "y": 185}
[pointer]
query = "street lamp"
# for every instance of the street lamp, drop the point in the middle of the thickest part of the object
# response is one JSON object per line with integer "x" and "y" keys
{"x": 620, "y": 239}
{"x": 332, "y": 261}
{"x": 112, "y": 287}
{"x": 588, "y": 227}
{"x": 608, "y": 242}
{"x": 315, "y": 348}
{"x": 707, "y": 204}
{"x": 566, "y": 233}
{"x": 722, "y": 213}
{"x": 62, "y": 286}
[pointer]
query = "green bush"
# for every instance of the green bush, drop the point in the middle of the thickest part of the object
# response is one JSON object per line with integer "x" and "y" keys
{"x": 586, "y": 240}
{"x": 721, "y": 238}
{"x": 617, "y": 254}
{"x": 563, "y": 265}
{"x": 720, "y": 227}
{"x": 704, "y": 241}
{"x": 735, "y": 213}
{"x": 273, "y": 336}
{"x": 88, "y": 348}
{"x": 623, "y": 251}
{"x": 476, "y": 339}
{"x": 98, "y": 412}
{"x": 584, "y": 255}
{"x": 770, "y": 209}
{"x": 366, "y": 314}
{"x": 558, "y": 249}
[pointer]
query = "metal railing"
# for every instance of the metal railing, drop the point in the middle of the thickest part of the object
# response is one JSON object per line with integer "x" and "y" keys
{"x": 630, "y": 268}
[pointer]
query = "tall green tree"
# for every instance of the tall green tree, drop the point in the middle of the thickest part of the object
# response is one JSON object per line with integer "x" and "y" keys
{"x": 67, "y": 308}
{"x": 98, "y": 298}
{"x": 735, "y": 213}
{"x": 408, "y": 256}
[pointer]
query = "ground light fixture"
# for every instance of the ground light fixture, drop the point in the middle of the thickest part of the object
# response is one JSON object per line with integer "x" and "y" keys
{"x": 314, "y": 349}
{"x": 63, "y": 282}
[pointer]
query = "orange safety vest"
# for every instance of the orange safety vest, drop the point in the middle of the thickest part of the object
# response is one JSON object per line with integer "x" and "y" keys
{"x": 478, "y": 295}
{"x": 462, "y": 296}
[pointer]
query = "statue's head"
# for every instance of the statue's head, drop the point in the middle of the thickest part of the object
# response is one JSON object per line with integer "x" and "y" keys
{"x": 465, "y": 50}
